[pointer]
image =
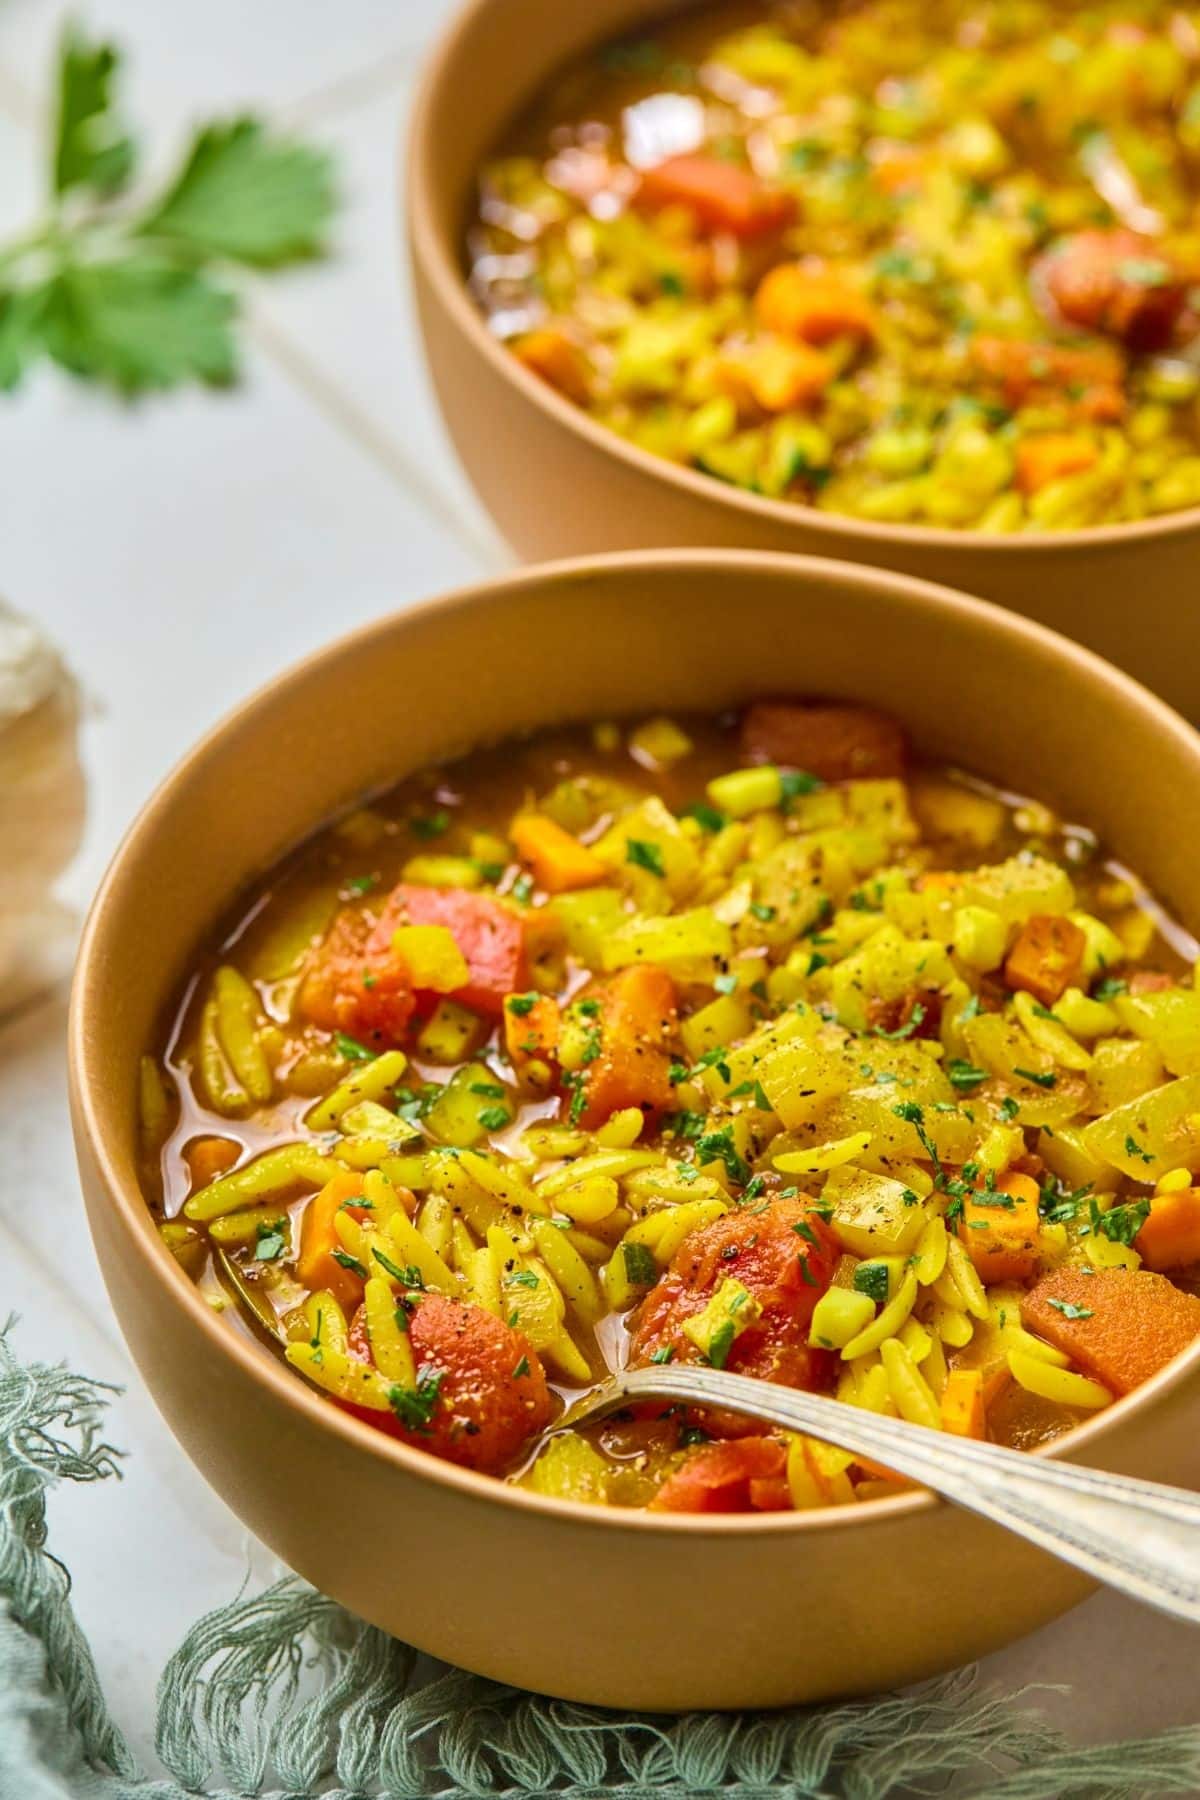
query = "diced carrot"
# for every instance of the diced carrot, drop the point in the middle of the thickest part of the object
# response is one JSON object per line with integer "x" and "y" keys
{"x": 1023, "y": 368}
{"x": 900, "y": 166}
{"x": 559, "y": 861}
{"x": 1000, "y": 1228}
{"x": 813, "y": 305}
{"x": 1051, "y": 455}
{"x": 837, "y": 743}
{"x": 560, "y": 362}
{"x": 1118, "y": 282}
{"x": 1170, "y": 1235}
{"x": 722, "y": 196}
{"x": 1046, "y": 957}
{"x": 531, "y": 1035}
{"x": 774, "y": 374}
{"x": 1118, "y": 1325}
{"x": 963, "y": 1411}
{"x": 633, "y": 1067}
{"x": 316, "y": 1265}
{"x": 347, "y": 987}
{"x": 721, "y": 1477}
{"x": 490, "y": 934}
{"x": 1102, "y": 403}
{"x": 208, "y": 1157}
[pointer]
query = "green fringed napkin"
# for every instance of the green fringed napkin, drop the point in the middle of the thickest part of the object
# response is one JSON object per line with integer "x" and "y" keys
{"x": 285, "y": 1696}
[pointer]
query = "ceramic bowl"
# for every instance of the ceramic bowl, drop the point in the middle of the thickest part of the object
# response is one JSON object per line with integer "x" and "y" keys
{"x": 559, "y": 484}
{"x": 622, "y": 1608}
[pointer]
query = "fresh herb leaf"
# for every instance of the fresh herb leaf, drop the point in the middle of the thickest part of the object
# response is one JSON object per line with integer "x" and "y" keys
{"x": 1047, "y": 1080}
{"x": 1133, "y": 1148}
{"x": 725, "y": 984}
{"x": 521, "y": 1004}
{"x": 493, "y": 1118}
{"x": 430, "y": 825}
{"x": 415, "y": 1406}
{"x": 964, "y": 1075}
{"x": 344, "y": 1259}
{"x": 718, "y": 1146}
{"x": 1121, "y": 1224}
{"x": 795, "y": 782}
{"x": 270, "y": 1241}
{"x": 246, "y": 197}
{"x": 644, "y": 855}
{"x": 664, "y": 1354}
{"x": 351, "y": 1049}
{"x": 913, "y": 1023}
{"x": 762, "y": 911}
{"x": 407, "y": 1274}
{"x": 1009, "y": 1107}
{"x": 92, "y": 148}
{"x": 1109, "y": 988}
{"x": 521, "y": 1369}
{"x": 871, "y": 1279}
{"x": 721, "y": 1343}
{"x": 1069, "y": 1310}
{"x": 641, "y": 1270}
{"x": 707, "y": 817}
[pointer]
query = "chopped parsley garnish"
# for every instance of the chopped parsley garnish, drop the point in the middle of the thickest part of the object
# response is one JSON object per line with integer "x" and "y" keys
{"x": 1109, "y": 988}
{"x": 718, "y": 1146}
{"x": 761, "y": 910}
{"x": 644, "y": 855}
{"x": 1133, "y": 1148}
{"x": 351, "y": 1049}
{"x": 964, "y": 1075}
{"x": 1009, "y": 1107}
{"x": 521, "y": 1004}
{"x": 913, "y": 1023}
{"x": 762, "y": 1103}
{"x": 493, "y": 1118}
{"x": 754, "y": 1187}
{"x": 707, "y": 817}
{"x": 641, "y": 1270}
{"x": 1121, "y": 1224}
{"x": 407, "y": 1274}
{"x": 430, "y": 825}
{"x": 588, "y": 1009}
{"x": 362, "y": 884}
{"x": 663, "y": 1354}
{"x": 270, "y": 1241}
{"x": 488, "y": 1090}
{"x": 522, "y": 1368}
{"x": 522, "y": 888}
{"x": 1069, "y": 1310}
{"x": 726, "y": 984}
{"x": 526, "y": 1278}
{"x": 795, "y": 782}
{"x": 415, "y": 1406}
{"x": 346, "y": 1261}
{"x": 816, "y": 961}
{"x": 871, "y": 1279}
{"x": 1043, "y": 1081}
{"x": 721, "y": 1343}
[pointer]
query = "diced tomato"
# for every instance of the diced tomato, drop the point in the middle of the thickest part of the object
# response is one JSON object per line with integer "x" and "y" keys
{"x": 350, "y": 987}
{"x": 838, "y": 743}
{"x": 633, "y": 1068}
{"x": 726, "y": 1478}
{"x": 722, "y": 196}
{"x": 785, "y": 1255}
{"x": 489, "y": 933}
{"x": 493, "y": 1394}
{"x": 1117, "y": 282}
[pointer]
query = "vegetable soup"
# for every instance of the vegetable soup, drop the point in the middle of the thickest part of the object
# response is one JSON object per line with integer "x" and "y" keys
{"x": 916, "y": 261}
{"x": 746, "y": 1041}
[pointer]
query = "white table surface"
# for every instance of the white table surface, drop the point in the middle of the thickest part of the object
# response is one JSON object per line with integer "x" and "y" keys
{"x": 241, "y": 529}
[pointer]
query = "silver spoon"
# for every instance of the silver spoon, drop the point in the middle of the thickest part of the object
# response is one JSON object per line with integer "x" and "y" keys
{"x": 1137, "y": 1536}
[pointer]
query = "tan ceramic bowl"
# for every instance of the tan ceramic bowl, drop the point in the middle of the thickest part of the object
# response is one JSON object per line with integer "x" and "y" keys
{"x": 628, "y": 1609}
{"x": 558, "y": 484}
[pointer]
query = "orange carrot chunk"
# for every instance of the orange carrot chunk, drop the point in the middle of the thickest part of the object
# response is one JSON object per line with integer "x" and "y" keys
{"x": 813, "y": 305}
{"x": 1046, "y": 957}
{"x": 559, "y": 861}
{"x": 963, "y": 1411}
{"x": 1170, "y": 1236}
{"x": 208, "y": 1157}
{"x": 633, "y": 1068}
{"x": 558, "y": 361}
{"x": 722, "y": 196}
{"x": 1119, "y": 1326}
{"x": 1052, "y": 455}
{"x": 1000, "y": 1228}
{"x": 531, "y": 1032}
{"x": 317, "y": 1265}
{"x": 838, "y": 743}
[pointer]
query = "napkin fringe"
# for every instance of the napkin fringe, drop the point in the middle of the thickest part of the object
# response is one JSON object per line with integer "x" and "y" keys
{"x": 282, "y": 1695}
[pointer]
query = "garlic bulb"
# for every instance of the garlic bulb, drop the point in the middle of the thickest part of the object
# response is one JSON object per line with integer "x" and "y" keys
{"x": 42, "y": 805}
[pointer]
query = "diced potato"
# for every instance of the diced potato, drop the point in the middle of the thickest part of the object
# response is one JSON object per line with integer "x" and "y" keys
{"x": 720, "y": 1322}
{"x": 662, "y": 840}
{"x": 587, "y": 920}
{"x": 980, "y": 937}
{"x": 723, "y": 1021}
{"x": 1169, "y": 1021}
{"x": 839, "y": 1315}
{"x": 1122, "y": 1071}
{"x": 1104, "y": 948}
{"x": 949, "y": 809}
{"x": 450, "y": 1033}
{"x": 1067, "y": 1155}
{"x": 1148, "y": 1137}
{"x": 872, "y": 1215}
{"x": 1018, "y": 888}
{"x": 454, "y": 1118}
{"x": 692, "y": 946}
{"x": 568, "y": 1468}
{"x": 888, "y": 967}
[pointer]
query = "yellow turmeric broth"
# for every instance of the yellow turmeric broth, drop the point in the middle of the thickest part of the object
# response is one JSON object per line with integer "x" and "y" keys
{"x": 746, "y": 1042}
{"x": 916, "y": 261}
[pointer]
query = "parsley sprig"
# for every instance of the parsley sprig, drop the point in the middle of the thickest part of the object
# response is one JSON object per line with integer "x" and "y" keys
{"x": 131, "y": 291}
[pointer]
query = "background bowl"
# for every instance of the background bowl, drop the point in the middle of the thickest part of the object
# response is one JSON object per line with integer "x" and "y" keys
{"x": 559, "y": 484}
{"x": 585, "y": 1602}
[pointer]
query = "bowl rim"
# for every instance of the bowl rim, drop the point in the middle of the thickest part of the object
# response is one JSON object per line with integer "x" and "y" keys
{"x": 256, "y": 1361}
{"x": 437, "y": 255}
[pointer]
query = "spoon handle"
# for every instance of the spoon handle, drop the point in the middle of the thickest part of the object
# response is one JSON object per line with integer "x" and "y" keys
{"x": 1137, "y": 1536}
